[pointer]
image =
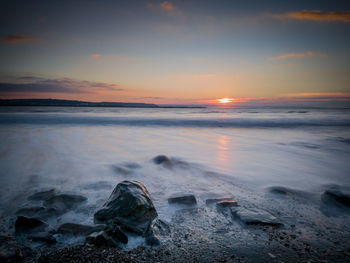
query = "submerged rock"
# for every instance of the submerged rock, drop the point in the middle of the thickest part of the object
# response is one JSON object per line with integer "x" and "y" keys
{"x": 28, "y": 224}
{"x": 112, "y": 236}
{"x": 187, "y": 199}
{"x": 38, "y": 211}
{"x": 218, "y": 199}
{"x": 43, "y": 237}
{"x": 78, "y": 229}
{"x": 44, "y": 195}
{"x": 226, "y": 204}
{"x": 157, "y": 229}
{"x": 10, "y": 251}
{"x": 130, "y": 207}
{"x": 336, "y": 196}
{"x": 64, "y": 202}
{"x": 161, "y": 159}
{"x": 255, "y": 216}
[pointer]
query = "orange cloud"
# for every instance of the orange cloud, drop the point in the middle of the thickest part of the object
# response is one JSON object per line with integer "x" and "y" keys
{"x": 14, "y": 39}
{"x": 96, "y": 56}
{"x": 317, "y": 15}
{"x": 299, "y": 55}
{"x": 167, "y": 6}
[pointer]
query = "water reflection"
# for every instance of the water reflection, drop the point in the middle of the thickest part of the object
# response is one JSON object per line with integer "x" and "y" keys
{"x": 222, "y": 151}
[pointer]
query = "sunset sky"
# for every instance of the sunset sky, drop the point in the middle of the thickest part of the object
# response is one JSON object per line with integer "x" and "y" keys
{"x": 176, "y": 52}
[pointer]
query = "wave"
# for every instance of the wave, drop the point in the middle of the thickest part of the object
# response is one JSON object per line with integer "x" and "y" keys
{"x": 55, "y": 119}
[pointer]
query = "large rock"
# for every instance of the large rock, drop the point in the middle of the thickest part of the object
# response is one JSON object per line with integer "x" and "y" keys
{"x": 78, "y": 229}
{"x": 64, "y": 202}
{"x": 130, "y": 207}
{"x": 111, "y": 236}
{"x": 44, "y": 195}
{"x": 28, "y": 224}
{"x": 336, "y": 196}
{"x": 255, "y": 216}
{"x": 182, "y": 199}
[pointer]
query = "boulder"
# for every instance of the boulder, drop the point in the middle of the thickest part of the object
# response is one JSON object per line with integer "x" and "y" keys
{"x": 182, "y": 199}
{"x": 130, "y": 207}
{"x": 255, "y": 216}
{"x": 44, "y": 195}
{"x": 157, "y": 229}
{"x": 64, "y": 202}
{"x": 336, "y": 196}
{"x": 29, "y": 224}
{"x": 78, "y": 229}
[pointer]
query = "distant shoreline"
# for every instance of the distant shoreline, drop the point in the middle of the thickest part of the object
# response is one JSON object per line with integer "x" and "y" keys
{"x": 76, "y": 103}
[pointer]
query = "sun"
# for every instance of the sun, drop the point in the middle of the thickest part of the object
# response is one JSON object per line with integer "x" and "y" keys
{"x": 224, "y": 100}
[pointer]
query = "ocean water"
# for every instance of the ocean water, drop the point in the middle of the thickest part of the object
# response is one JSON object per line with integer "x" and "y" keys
{"x": 88, "y": 151}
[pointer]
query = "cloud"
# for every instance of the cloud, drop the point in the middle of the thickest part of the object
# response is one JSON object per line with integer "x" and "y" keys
{"x": 15, "y": 39}
{"x": 96, "y": 56}
{"x": 167, "y": 6}
{"x": 299, "y": 55}
{"x": 64, "y": 85}
{"x": 316, "y": 15}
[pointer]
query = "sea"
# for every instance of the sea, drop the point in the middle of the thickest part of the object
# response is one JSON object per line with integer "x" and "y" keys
{"x": 89, "y": 150}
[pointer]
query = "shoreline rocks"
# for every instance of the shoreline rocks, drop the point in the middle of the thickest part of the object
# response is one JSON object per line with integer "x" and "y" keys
{"x": 255, "y": 216}
{"x": 29, "y": 224}
{"x": 182, "y": 199}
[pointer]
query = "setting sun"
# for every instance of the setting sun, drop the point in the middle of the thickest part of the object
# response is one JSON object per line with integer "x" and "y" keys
{"x": 224, "y": 100}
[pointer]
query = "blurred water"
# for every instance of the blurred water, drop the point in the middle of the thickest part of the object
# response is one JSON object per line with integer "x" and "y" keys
{"x": 89, "y": 150}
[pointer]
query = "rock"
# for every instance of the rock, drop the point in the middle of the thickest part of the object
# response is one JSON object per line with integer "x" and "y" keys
{"x": 39, "y": 212}
{"x": 187, "y": 199}
{"x": 44, "y": 195}
{"x": 157, "y": 229}
{"x": 130, "y": 207}
{"x": 110, "y": 237}
{"x": 28, "y": 224}
{"x": 336, "y": 196}
{"x": 43, "y": 237}
{"x": 10, "y": 251}
{"x": 255, "y": 216}
{"x": 78, "y": 229}
{"x": 64, "y": 202}
{"x": 217, "y": 199}
{"x": 226, "y": 204}
{"x": 161, "y": 159}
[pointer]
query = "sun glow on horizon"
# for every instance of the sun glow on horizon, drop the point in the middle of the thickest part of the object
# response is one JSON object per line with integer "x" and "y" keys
{"x": 224, "y": 100}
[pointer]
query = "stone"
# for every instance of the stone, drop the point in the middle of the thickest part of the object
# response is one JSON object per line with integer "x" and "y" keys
{"x": 157, "y": 229}
{"x": 44, "y": 195}
{"x": 64, "y": 202}
{"x": 38, "y": 212}
{"x": 226, "y": 204}
{"x": 187, "y": 199}
{"x": 78, "y": 229}
{"x": 10, "y": 251}
{"x": 217, "y": 199}
{"x": 129, "y": 206}
{"x": 336, "y": 196}
{"x": 29, "y": 224}
{"x": 255, "y": 216}
{"x": 161, "y": 159}
{"x": 110, "y": 237}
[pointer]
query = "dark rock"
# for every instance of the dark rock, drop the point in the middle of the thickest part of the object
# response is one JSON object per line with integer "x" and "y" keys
{"x": 43, "y": 237}
{"x": 78, "y": 229}
{"x": 157, "y": 229}
{"x": 28, "y": 224}
{"x": 112, "y": 236}
{"x": 226, "y": 204}
{"x": 64, "y": 202}
{"x": 161, "y": 159}
{"x": 337, "y": 196}
{"x": 255, "y": 216}
{"x": 44, "y": 195}
{"x": 188, "y": 199}
{"x": 10, "y": 251}
{"x": 129, "y": 206}
{"x": 218, "y": 199}
{"x": 39, "y": 212}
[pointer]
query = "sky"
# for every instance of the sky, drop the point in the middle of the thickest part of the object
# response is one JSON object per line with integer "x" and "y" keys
{"x": 176, "y": 51}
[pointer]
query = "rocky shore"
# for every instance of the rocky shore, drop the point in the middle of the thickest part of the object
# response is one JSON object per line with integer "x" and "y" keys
{"x": 288, "y": 226}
